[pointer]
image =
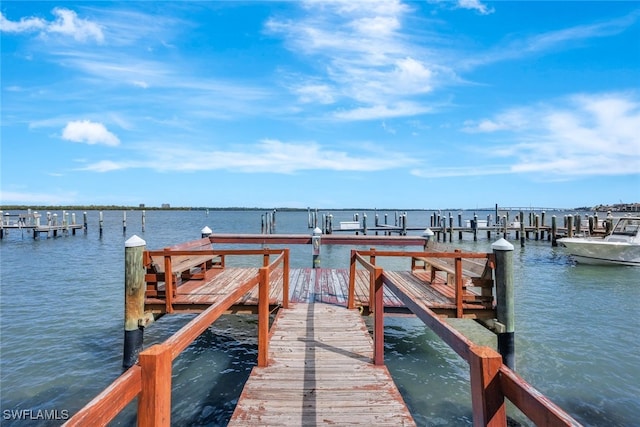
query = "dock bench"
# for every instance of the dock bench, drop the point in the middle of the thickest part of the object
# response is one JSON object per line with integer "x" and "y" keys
{"x": 183, "y": 267}
{"x": 477, "y": 277}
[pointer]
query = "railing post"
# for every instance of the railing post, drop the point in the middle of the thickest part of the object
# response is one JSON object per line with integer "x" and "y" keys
{"x": 459, "y": 290}
{"x": 372, "y": 285}
{"x": 168, "y": 281}
{"x": 154, "y": 402}
{"x": 265, "y": 257}
{"x": 488, "y": 403}
{"x": 285, "y": 280}
{"x": 352, "y": 280}
{"x": 134, "y": 293}
{"x": 378, "y": 319}
{"x": 263, "y": 317}
{"x": 505, "y": 311}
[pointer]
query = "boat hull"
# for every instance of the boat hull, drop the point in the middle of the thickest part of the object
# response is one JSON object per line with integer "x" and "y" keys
{"x": 600, "y": 252}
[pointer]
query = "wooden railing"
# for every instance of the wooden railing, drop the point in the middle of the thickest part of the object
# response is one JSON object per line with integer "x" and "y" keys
{"x": 491, "y": 380}
{"x": 458, "y": 275}
{"x": 150, "y": 379}
{"x": 171, "y": 287}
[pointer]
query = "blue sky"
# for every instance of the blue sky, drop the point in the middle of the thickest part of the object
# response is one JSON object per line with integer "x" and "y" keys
{"x": 430, "y": 104}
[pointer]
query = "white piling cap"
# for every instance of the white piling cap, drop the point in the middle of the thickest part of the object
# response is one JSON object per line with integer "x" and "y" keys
{"x": 206, "y": 230}
{"x": 134, "y": 241}
{"x": 501, "y": 245}
{"x": 427, "y": 233}
{"x": 317, "y": 231}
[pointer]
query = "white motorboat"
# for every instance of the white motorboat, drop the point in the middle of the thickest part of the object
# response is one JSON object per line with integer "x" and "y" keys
{"x": 622, "y": 246}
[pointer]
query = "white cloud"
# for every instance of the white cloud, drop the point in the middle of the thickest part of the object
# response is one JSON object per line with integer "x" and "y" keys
{"x": 143, "y": 85}
{"x": 320, "y": 93}
{"x": 476, "y": 5}
{"x": 107, "y": 166}
{"x": 89, "y": 132}
{"x": 378, "y": 25}
{"x": 267, "y": 156}
{"x": 509, "y": 120}
{"x": 552, "y": 40}
{"x": 363, "y": 56}
{"x": 69, "y": 24}
{"x": 24, "y": 25}
{"x": 66, "y": 23}
{"x": 586, "y": 134}
{"x": 450, "y": 172}
{"x": 402, "y": 109}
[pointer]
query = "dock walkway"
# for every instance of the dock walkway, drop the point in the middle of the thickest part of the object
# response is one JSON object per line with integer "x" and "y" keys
{"x": 320, "y": 372}
{"x": 317, "y": 362}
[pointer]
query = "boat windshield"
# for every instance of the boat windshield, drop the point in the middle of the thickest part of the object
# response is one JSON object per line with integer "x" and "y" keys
{"x": 627, "y": 227}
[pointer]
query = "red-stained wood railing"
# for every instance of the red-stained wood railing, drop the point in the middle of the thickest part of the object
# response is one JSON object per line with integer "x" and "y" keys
{"x": 457, "y": 256}
{"x": 150, "y": 379}
{"x": 491, "y": 381}
{"x": 168, "y": 254}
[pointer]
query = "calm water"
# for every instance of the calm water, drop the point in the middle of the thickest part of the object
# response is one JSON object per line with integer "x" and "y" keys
{"x": 577, "y": 328}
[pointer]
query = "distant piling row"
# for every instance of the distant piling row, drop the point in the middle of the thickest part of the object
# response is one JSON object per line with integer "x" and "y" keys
{"x": 54, "y": 225}
{"x": 525, "y": 226}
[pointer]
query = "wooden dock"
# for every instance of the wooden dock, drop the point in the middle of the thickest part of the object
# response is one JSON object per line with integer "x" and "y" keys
{"x": 320, "y": 372}
{"x": 31, "y": 223}
{"x": 317, "y": 363}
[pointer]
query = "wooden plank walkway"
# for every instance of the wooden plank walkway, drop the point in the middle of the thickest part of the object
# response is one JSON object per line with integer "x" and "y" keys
{"x": 320, "y": 372}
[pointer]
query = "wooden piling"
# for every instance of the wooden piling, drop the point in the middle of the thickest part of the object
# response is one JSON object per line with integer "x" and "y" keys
{"x": 505, "y": 225}
{"x": 522, "y": 235}
{"x": 489, "y": 227}
{"x": 315, "y": 247}
{"x": 100, "y": 222}
{"x": 554, "y": 231}
{"x": 475, "y": 227}
{"x": 404, "y": 224}
{"x": 124, "y": 222}
{"x": 134, "y": 293}
{"x": 364, "y": 224}
{"x": 505, "y": 308}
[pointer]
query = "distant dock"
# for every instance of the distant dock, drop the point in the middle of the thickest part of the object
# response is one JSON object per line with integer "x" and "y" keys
{"x": 532, "y": 225}
{"x": 52, "y": 224}
{"x": 35, "y": 223}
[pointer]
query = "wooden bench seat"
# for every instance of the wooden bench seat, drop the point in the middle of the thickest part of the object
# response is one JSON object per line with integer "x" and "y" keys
{"x": 183, "y": 267}
{"x": 477, "y": 277}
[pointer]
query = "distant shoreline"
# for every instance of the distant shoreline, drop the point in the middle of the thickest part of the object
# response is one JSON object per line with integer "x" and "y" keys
{"x": 626, "y": 207}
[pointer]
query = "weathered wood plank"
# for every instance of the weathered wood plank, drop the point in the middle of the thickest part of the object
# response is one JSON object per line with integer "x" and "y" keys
{"x": 320, "y": 371}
